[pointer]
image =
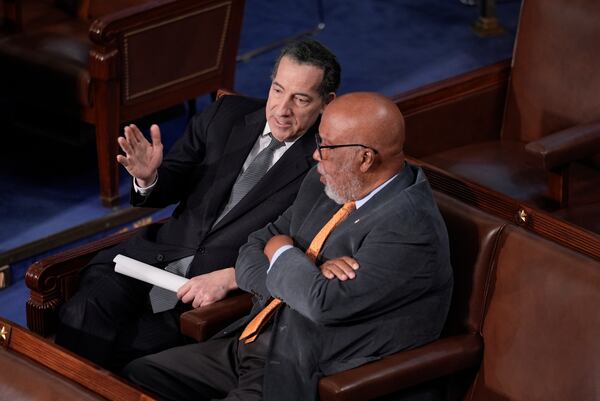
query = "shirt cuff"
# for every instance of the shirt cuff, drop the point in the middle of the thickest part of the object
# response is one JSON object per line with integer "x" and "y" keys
{"x": 145, "y": 191}
{"x": 277, "y": 254}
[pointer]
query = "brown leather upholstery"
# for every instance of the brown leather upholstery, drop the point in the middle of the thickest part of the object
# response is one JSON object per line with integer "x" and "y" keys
{"x": 542, "y": 324}
{"x": 107, "y": 62}
{"x": 544, "y": 150}
{"x": 473, "y": 237}
{"x": 36, "y": 369}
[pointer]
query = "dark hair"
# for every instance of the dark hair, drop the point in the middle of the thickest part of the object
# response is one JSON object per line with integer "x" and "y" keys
{"x": 308, "y": 51}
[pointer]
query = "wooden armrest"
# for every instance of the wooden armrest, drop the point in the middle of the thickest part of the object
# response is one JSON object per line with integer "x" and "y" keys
{"x": 201, "y": 323}
{"x": 41, "y": 275}
{"x": 404, "y": 369}
{"x": 54, "y": 279}
{"x": 566, "y": 146}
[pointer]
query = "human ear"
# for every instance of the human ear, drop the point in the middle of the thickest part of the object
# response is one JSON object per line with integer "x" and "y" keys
{"x": 366, "y": 160}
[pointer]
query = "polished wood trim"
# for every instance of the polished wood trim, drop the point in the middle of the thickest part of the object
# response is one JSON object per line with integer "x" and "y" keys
{"x": 5, "y": 276}
{"x": 54, "y": 279}
{"x": 68, "y": 365}
{"x": 524, "y": 215}
{"x": 454, "y": 88}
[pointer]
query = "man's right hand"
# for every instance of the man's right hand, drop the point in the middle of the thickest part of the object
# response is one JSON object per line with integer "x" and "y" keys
{"x": 141, "y": 158}
{"x": 208, "y": 288}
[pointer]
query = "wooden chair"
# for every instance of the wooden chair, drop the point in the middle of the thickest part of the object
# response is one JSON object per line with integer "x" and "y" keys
{"x": 529, "y": 129}
{"x": 107, "y": 62}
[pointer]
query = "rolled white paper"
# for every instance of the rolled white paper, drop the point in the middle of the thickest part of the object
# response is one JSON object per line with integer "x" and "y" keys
{"x": 147, "y": 273}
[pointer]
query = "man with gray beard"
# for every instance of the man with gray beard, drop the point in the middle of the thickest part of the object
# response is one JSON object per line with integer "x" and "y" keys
{"x": 335, "y": 287}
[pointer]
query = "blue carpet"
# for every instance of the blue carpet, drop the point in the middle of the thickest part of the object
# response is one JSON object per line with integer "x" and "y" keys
{"x": 385, "y": 46}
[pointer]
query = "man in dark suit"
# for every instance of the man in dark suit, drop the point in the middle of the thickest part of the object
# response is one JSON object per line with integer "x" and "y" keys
{"x": 351, "y": 290}
{"x": 237, "y": 167}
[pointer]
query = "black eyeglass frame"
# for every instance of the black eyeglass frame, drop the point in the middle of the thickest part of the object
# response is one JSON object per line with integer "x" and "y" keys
{"x": 319, "y": 146}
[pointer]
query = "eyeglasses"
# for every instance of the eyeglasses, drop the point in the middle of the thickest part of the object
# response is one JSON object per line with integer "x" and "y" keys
{"x": 321, "y": 147}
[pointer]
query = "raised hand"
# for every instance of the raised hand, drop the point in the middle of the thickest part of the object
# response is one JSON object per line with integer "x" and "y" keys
{"x": 141, "y": 158}
{"x": 208, "y": 288}
{"x": 342, "y": 268}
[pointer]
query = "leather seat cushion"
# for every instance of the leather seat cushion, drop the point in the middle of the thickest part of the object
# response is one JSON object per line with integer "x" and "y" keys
{"x": 501, "y": 166}
{"x": 49, "y": 65}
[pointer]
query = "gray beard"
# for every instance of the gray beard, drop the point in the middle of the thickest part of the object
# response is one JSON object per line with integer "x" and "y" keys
{"x": 345, "y": 194}
{"x": 333, "y": 195}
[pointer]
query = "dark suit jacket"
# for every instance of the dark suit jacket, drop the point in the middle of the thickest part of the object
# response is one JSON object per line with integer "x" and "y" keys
{"x": 398, "y": 300}
{"x": 199, "y": 173}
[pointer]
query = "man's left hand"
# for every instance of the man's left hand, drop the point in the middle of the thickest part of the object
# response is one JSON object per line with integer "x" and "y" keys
{"x": 342, "y": 268}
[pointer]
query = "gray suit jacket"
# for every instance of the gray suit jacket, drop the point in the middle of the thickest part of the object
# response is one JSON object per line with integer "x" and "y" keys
{"x": 398, "y": 300}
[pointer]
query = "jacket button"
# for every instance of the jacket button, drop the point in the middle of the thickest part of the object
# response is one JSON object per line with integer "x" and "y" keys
{"x": 201, "y": 250}
{"x": 160, "y": 257}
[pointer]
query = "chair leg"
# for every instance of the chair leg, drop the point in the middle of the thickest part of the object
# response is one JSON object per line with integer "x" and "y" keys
{"x": 107, "y": 131}
{"x": 108, "y": 169}
{"x": 559, "y": 186}
{"x": 107, "y": 148}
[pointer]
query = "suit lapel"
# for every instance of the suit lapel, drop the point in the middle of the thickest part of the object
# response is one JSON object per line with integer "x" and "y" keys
{"x": 240, "y": 142}
{"x": 294, "y": 162}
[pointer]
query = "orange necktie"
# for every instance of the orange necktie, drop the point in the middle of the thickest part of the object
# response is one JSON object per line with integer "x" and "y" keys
{"x": 253, "y": 328}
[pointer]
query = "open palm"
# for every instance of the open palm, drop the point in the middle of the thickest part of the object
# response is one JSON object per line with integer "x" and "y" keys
{"x": 141, "y": 158}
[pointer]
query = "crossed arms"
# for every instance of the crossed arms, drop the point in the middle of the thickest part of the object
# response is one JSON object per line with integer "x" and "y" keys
{"x": 395, "y": 269}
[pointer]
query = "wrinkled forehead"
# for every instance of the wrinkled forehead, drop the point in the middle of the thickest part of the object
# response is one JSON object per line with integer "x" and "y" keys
{"x": 339, "y": 126}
